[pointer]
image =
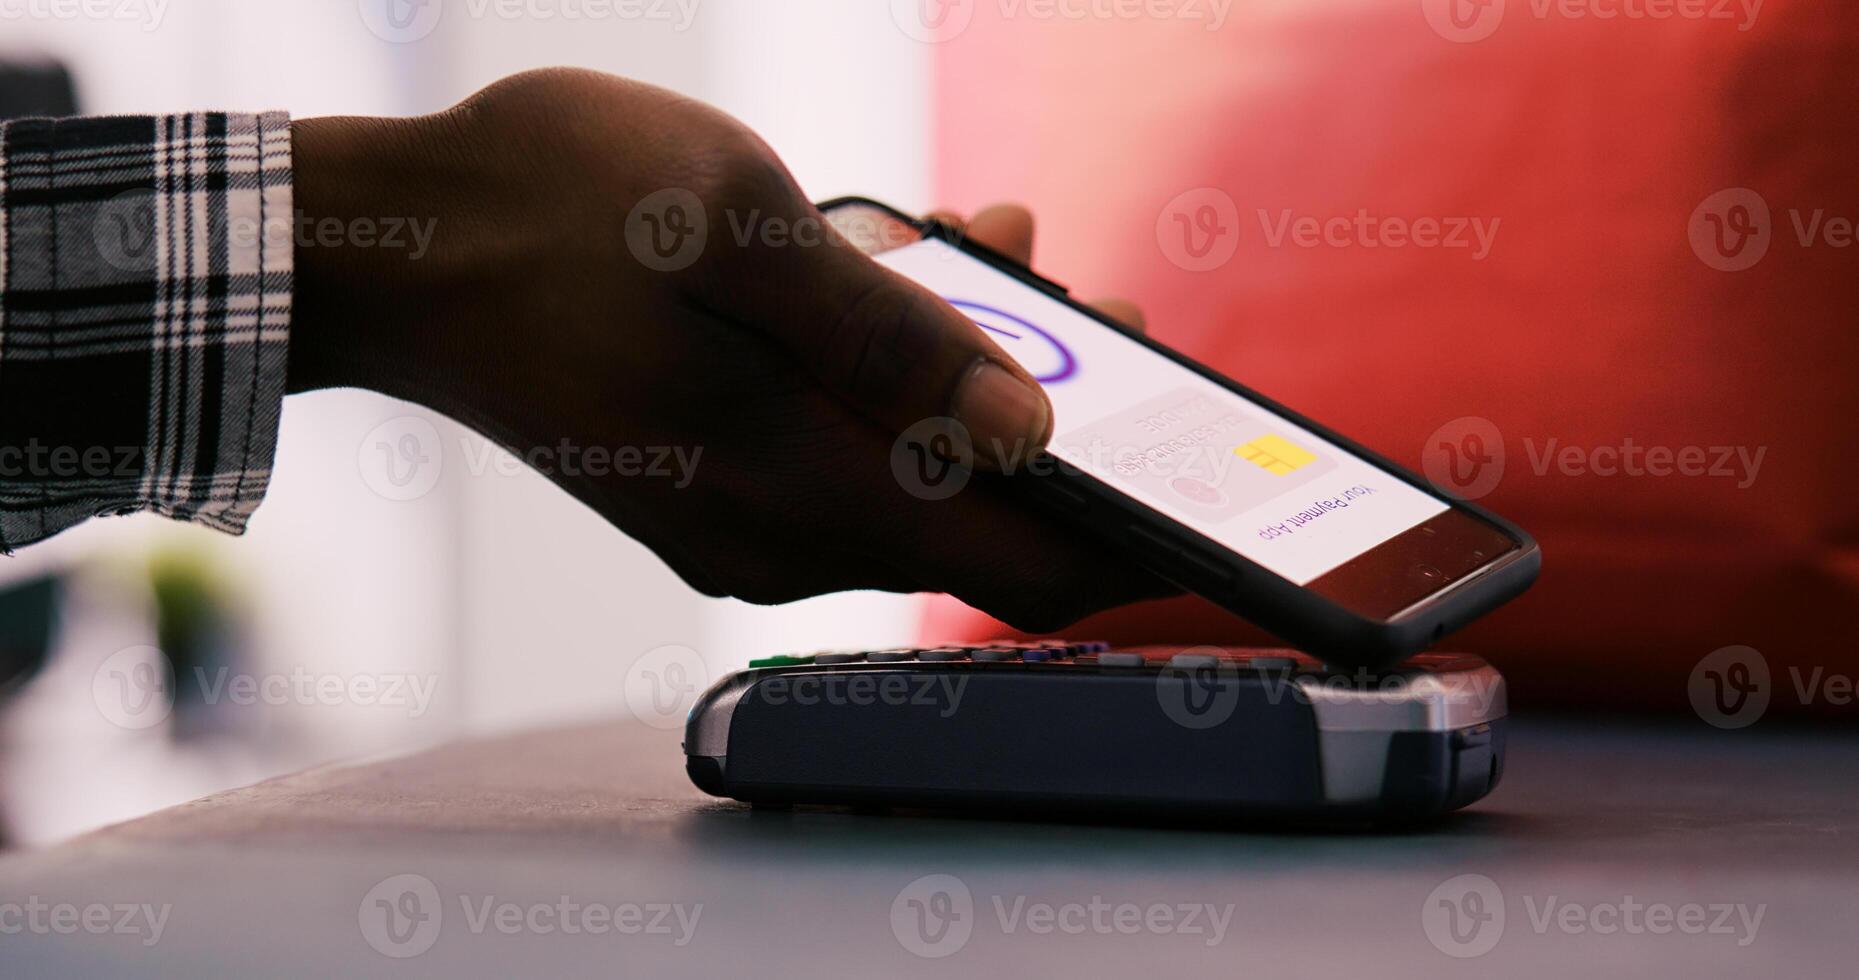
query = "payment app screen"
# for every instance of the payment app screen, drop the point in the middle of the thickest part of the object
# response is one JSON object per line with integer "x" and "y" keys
{"x": 1268, "y": 489}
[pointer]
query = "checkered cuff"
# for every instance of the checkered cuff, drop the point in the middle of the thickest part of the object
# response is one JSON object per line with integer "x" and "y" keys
{"x": 145, "y": 299}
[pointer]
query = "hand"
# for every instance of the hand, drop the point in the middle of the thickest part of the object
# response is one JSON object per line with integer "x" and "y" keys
{"x": 785, "y": 372}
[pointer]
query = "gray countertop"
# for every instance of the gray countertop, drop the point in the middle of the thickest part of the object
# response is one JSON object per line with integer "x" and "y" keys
{"x": 1654, "y": 851}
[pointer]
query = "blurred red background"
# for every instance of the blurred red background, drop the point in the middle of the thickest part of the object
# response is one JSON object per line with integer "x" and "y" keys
{"x": 1593, "y": 151}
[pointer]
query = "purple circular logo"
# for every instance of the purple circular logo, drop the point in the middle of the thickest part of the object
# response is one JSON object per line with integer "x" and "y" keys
{"x": 1036, "y": 350}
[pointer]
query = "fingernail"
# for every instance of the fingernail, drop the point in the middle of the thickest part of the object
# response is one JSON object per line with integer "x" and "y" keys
{"x": 1006, "y": 417}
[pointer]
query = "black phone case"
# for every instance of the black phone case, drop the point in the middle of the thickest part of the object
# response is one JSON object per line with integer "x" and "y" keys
{"x": 1196, "y": 563}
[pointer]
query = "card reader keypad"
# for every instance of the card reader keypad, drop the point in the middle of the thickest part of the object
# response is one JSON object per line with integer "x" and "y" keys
{"x": 1093, "y": 655}
{"x": 1069, "y": 655}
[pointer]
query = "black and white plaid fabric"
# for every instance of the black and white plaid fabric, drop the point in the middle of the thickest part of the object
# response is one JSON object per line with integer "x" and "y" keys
{"x": 145, "y": 300}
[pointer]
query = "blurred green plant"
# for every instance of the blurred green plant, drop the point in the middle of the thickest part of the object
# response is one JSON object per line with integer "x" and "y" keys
{"x": 196, "y": 619}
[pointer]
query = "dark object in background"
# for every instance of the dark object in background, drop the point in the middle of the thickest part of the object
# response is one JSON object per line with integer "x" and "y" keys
{"x": 36, "y": 90}
{"x": 28, "y": 620}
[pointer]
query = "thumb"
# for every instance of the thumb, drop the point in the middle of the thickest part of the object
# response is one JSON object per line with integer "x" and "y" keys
{"x": 895, "y": 351}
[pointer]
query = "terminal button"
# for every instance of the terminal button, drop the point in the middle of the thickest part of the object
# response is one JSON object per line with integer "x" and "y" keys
{"x": 782, "y": 660}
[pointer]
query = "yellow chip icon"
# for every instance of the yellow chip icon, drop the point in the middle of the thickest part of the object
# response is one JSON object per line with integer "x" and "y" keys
{"x": 1275, "y": 454}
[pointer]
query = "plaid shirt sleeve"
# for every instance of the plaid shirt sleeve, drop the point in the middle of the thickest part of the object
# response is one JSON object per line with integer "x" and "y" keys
{"x": 145, "y": 300}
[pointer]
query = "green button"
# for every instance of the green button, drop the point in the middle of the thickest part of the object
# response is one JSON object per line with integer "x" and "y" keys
{"x": 782, "y": 660}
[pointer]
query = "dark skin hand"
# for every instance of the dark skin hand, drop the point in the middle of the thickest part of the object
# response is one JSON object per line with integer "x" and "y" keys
{"x": 794, "y": 368}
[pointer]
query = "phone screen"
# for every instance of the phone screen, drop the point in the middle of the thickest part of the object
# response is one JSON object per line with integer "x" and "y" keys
{"x": 1200, "y": 454}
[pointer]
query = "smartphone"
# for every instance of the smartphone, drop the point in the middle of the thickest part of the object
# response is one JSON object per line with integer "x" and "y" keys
{"x": 1081, "y": 729}
{"x": 1335, "y": 549}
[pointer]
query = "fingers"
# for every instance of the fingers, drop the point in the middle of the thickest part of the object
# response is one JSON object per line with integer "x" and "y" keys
{"x": 891, "y": 349}
{"x": 1005, "y": 228}
{"x": 997, "y": 553}
{"x": 1008, "y": 229}
{"x": 996, "y": 550}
